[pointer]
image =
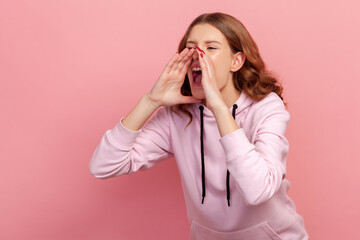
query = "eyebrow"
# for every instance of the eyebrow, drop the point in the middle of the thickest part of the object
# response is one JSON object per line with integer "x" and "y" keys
{"x": 208, "y": 41}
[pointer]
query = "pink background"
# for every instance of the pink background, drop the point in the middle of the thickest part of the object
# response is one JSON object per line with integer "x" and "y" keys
{"x": 71, "y": 69}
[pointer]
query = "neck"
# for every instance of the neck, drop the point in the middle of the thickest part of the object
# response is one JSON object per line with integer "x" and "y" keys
{"x": 231, "y": 98}
{"x": 229, "y": 93}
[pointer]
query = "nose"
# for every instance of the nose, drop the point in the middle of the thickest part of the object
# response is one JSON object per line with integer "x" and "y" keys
{"x": 195, "y": 56}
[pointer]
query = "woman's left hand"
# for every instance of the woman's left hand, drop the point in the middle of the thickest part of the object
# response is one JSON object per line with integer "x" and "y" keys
{"x": 212, "y": 93}
{"x": 213, "y": 97}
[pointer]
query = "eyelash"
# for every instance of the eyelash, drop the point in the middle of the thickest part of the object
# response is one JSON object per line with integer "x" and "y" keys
{"x": 209, "y": 48}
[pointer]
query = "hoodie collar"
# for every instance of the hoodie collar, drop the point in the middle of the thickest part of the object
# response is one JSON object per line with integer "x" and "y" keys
{"x": 242, "y": 102}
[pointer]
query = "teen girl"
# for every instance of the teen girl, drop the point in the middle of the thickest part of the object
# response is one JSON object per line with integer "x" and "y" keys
{"x": 221, "y": 115}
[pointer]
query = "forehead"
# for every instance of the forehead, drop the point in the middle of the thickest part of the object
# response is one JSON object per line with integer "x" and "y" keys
{"x": 205, "y": 32}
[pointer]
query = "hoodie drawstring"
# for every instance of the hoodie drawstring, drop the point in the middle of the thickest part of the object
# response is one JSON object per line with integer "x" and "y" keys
{"x": 202, "y": 153}
{"x": 228, "y": 173}
{"x": 203, "y": 160}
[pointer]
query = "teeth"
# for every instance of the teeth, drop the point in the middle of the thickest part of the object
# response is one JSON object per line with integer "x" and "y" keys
{"x": 196, "y": 69}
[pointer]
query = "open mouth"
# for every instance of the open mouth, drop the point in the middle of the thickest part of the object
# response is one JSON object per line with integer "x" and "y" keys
{"x": 196, "y": 74}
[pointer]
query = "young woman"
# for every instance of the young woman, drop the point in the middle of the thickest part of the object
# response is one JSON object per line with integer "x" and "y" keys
{"x": 221, "y": 115}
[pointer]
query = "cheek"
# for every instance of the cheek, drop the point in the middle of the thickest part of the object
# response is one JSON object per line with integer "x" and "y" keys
{"x": 214, "y": 59}
{"x": 220, "y": 64}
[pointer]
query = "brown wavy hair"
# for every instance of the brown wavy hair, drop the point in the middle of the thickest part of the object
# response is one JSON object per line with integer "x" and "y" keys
{"x": 252, "y": 77}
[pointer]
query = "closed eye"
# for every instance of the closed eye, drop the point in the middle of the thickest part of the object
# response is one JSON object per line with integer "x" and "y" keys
{"x": 211, "y": 48}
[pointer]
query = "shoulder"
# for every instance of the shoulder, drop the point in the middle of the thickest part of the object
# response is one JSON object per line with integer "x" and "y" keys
{"x": 271, "y": 101}
{"x": 271, "y": 105}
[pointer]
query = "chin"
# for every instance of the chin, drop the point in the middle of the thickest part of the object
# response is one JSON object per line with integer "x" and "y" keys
{"x": 197, "y": 90}
{"x": 198, "y": 94}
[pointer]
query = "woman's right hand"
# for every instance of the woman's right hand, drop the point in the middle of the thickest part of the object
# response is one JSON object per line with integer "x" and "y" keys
{"x": 167, "y": 89}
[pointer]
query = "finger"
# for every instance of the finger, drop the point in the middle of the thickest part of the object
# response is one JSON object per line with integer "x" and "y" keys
{"x": 189, "y": 55}
{"x": 182, "y": 54}
{"x": 204, "y": 67}
{"x": 171, "y": 63}
{"x": 175, "y": 60}
{"x": 185, "y": 69}
{"x": 186, "y": 61}
{"x": 209, "y": 67}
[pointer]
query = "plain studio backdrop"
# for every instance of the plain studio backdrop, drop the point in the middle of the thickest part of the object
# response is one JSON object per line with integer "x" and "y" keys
{"x": 70, "y": 69}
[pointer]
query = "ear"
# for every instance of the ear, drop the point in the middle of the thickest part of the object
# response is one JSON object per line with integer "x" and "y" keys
{"x": 238, "y": 61}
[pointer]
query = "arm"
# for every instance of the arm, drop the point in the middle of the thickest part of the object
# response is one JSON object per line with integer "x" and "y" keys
{"x": 215, "y": 101}
{"x": 258, "y": 169}
{"x": 166, "y": 91}
{"x": 123, "y": 151}
{"x": 130, "y": 145}
{"x": 225, "y": 121}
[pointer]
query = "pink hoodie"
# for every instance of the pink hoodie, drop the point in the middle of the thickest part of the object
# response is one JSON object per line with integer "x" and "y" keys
{"x": 255, "y": 156}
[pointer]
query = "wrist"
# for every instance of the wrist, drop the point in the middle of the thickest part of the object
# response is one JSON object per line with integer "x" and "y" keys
{"x": 225, "y": 121}
{"x": 152, "y": 104}
{"x": 219, "y": 109}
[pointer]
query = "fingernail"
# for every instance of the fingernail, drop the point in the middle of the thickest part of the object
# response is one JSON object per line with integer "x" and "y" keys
{"x": 200, "y": 50}
{"x": 201, "y": 55}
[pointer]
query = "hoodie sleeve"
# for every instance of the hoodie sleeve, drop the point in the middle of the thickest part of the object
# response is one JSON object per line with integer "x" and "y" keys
{"x": 258, "y": 168}
{"x": 122, "y": 151}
